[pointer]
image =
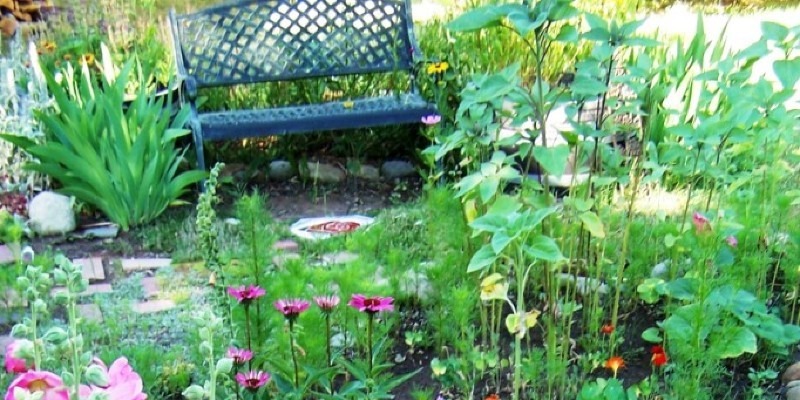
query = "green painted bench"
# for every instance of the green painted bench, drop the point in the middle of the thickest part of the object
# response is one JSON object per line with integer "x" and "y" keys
{"x": 256, "y": 41}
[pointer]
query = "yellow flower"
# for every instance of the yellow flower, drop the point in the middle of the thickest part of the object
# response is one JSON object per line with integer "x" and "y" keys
{"x": 493, "y": 287}
{"x": 348, "y": 104}
{"x": 48, "y": 45}
{"x": 519, "y": 323}
{"x": 437, "y": 67}
{"x": 88, "y": 58}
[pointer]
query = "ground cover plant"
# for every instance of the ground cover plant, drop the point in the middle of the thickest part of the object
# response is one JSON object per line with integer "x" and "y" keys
{"x": 667, "y": 267}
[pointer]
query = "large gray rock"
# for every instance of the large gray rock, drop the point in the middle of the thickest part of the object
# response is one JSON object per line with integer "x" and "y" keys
{"x": 368, "y": 172}
{"x": 793, "y": 390}
{"x": 280, "y": 170}
{"x": 791, "y": 374}
{"x": 51, "y": 213}
{"x": 325, "y": 173}
{"x": 397, "y": 169}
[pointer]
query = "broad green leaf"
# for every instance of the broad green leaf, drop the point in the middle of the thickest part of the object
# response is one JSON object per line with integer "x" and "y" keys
{"x": 552, "y": 159}
{"x": 787, "y": 71}
{"x": 774, "y": 31}
{"x": 483, "y": 17}
{"x": 543, "y": 248}
{"x": 592, "y": 223}
{"x": 489, "y": 223}
{"x": 652, "y": 335}
{"x": 482, "y": 259}
{"x": 735, "y": 341}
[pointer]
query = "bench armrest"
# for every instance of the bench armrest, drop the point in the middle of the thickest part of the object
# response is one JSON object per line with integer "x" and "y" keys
{"x": 185, "y": 81}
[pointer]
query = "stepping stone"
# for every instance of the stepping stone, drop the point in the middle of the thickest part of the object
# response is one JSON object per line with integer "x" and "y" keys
{"x": 287, "y": 245}
{"x": 281, "y": 259}
{"x": 6, "y": 256}
{"x": 90, "y": 312}
{"x": 12, "y": 299}
{"x": 153, "y": 306}
{"x": 92, "y": 268}
{"x": 150, "y": 286}
{"x": 103, "y": 230}
{"x": 342, "y": 257}
{"x": 141, "y": 264}
{"x": 92, "y": 289}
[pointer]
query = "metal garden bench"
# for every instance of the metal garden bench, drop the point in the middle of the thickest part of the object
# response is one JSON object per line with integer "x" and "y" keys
{"x": 256, "y": 41}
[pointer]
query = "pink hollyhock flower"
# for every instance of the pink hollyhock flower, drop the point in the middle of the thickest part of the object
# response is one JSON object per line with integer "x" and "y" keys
{"x": 14, "y": 363}
{"x": 239, "y": 356}
{"x": 47, "y": 383}
{"x": 371, "y": 304}
{"x": 123, "y": 383}
{"x": 327, "y": 303}
{"x": 701, "y": 223}
{"x": 732, "y": 241}
{"x": 432, "y": 119}
{"x": 291, "y": 308}
{"x": 246, "y": 294}
{"x": 252, "y": 380}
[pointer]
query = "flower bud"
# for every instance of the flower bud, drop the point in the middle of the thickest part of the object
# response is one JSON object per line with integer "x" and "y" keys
{"x": 27, "y": 255}
{"x": 96, "y": 376}
{"x": 55, "y": 335}
{"x": 60, "y": 276}
{"x": 194, "y": 392}
{"x": 24, "y": 349}
{"x": 23, "y": 282}
{"x": 224, "y": 365}
{"x": 20, "y": 331}
{"x": 40, "y": 306}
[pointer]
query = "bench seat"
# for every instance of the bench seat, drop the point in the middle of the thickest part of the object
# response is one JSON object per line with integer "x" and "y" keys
{"x": 404, "y": 108}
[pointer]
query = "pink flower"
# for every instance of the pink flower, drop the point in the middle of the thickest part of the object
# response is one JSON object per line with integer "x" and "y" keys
{"x": 246, "y": 294}
{"x": 291, "y": 308}
{"x": 252, "y": 380}
{"x": 732, "y": 241}
{"x": 432, "y": 119}
{"x": 14, "y": 363}
{"x": 239, "y": 356}
{"x": 371, "y": 304}
{"x": 327, "y": 303}
{"x": 44, "y": 382}
{"x": 123, "y": 383}
{"x": 701, "y": 223}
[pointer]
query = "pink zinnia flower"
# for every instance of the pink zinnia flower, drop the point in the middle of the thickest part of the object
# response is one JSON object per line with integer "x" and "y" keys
{"x": 701, "y": 223}
{"x": 246, "y": 294}
{"x": 432, "y": 119}
{"x": 291, "y": 308}
{"x": 123, "y": 383}
{"x": 252, "y": 380}
{"x": 327, "y": 303}
{"x": 239, "y": 356}
{"x": 47, "y": 383}
{"x": 732, "y": 241}
{"x": 371, "y": 304}
{"x": 14, "y": 363}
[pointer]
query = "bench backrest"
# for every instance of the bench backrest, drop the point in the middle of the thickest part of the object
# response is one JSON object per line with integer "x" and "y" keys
{"x": 277, "y": 40}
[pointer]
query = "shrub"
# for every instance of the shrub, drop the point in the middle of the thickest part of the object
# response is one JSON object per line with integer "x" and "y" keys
{"x": 118, "y": 157}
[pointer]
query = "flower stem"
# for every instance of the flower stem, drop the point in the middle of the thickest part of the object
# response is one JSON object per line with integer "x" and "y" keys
{"x": 328, "y": 338}
{"x": 294, "y": 357}
{"x": 247, "y": 328}
{"x": 370, "y": 316}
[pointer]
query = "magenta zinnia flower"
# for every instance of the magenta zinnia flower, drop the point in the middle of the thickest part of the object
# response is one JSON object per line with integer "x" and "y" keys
{"x": 246, "y": 294}
{"x": 701, "y": 223}
{"x": 732, "y": 241}
{"x": 14, "y": 363}
{"x": 123, "y": 383}
{"x": 239, "y": 356}
{"x": 432, "y": 119}
{"x": 291, "y": 308}
{"x": 327, "y": 303}
{"x": 47, "y": 383}
{"x": 252, "y": 380}
{"x": 371, "y": 304}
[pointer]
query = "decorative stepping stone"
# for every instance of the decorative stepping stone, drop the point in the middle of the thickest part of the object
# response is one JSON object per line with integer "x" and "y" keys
{"x": 6, "y": 256}
{"x": 103, "y": 230}
{"x": 342, "y": 257}
{"x": 287, "y": 245}
{"x": 90, "y": 312}
{"x": 153, "y": 306}
{"x": 92, "y": 289}
{"x": 92, "y": 268}
{"x": 141, "y": 264}
{"x": 150, "y": 286}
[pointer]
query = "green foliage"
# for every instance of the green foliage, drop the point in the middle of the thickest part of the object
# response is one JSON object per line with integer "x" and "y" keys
{"x": 118, "y": 157}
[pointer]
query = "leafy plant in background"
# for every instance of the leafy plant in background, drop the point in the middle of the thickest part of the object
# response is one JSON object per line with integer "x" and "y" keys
{"x": 118, "y": 157}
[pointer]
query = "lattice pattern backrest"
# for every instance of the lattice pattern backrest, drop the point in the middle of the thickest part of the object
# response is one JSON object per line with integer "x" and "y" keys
{"x": 271, "y": 40}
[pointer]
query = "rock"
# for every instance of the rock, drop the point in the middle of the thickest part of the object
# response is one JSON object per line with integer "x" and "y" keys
{"x": 101, "y": 231}
{"x": 324, "y": 173}
{"x": 153, "y": 306}
{"x": 342, "y": 257}
{"x": 287, "y": 245}
{"x": 793, "y": 390}
{"x": 280, "y": 170}
{"x": 233, "y": 170}
{"x": 369, "y": 173}
{"x": 791, "y": 374}
{"x": 397, "y": 169}
{"x": 584, "y": 285}
{"x": 660, "y": 269}
{"x": 51, "y": 213}
{"x": 141, "y": 264}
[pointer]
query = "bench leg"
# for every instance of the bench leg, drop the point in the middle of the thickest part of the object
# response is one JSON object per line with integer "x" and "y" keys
{"x": 197, "y": 137}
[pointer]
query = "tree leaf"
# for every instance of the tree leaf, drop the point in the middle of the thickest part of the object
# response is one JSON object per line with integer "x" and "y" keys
{"x": 592, "y": 222}
{"x": 552, "y": 159}
{"x": 787, "y": 71}
{"x": 482, "y": 259}
{"x": 543, "y": 248}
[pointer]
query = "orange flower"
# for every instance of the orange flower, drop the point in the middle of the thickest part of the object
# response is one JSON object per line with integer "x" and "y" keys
{"x": 88, "y": 58}
{"x": 614, "y": 364}
{"x": 492, "y": 397}
{"x": 659, "y": 357}
{"x": 607, "y": 329}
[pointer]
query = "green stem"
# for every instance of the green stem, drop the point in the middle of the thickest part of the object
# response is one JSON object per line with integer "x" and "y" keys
{"x": 294, "y": 357}
{"x": 328, "y": 338}
{"x": 369, "y": 343}
{"x": 520, "y": 275}
{"x": 73, "y": 334}
{"x": 247, "y": 328}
